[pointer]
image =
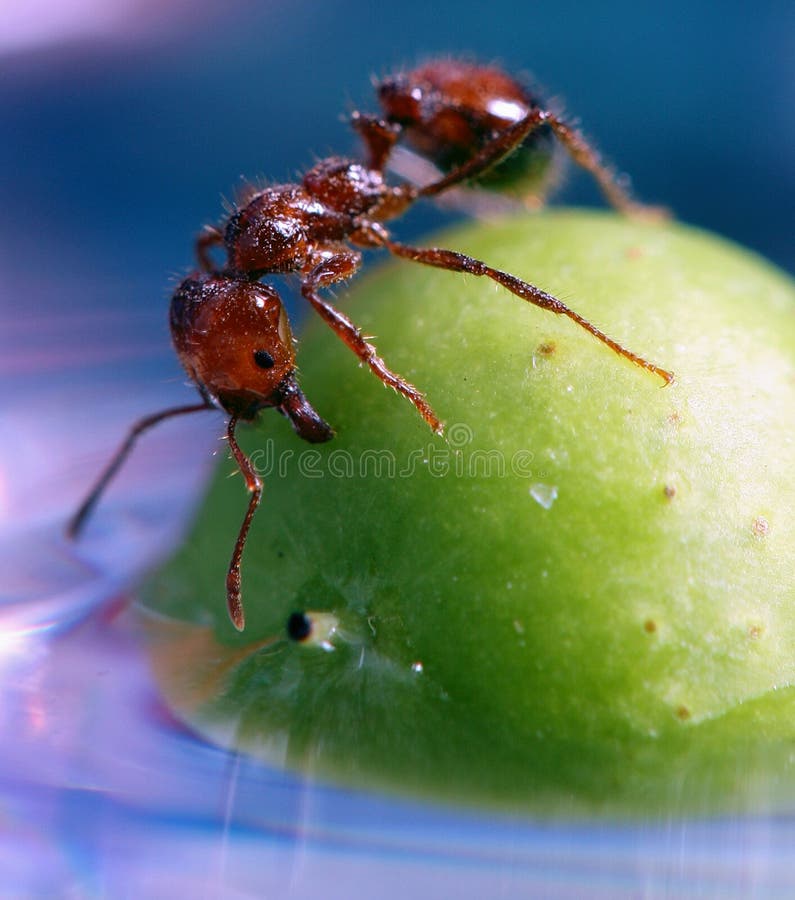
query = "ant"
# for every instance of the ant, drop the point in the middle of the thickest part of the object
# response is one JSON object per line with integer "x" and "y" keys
{"x": 231, "y": 331}
{"x": 448, "y": 110}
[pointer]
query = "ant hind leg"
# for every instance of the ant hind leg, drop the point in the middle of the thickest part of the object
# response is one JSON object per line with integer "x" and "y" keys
{"x": 491, "y": 153}
{"x": 459, "y": 262}
{"x": 507, "y": 140}
{"x": 609, "y": 182}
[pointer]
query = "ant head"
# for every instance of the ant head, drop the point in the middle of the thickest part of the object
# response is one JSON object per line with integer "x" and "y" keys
{"x": 233, "y": 338}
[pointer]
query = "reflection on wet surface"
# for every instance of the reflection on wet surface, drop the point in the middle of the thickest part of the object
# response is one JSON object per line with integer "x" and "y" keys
{"x": 104, "y": 793}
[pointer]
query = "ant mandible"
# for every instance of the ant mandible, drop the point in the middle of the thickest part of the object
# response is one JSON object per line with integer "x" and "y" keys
{"x": 231, "y": 331}
{"x": 447, "y": 110}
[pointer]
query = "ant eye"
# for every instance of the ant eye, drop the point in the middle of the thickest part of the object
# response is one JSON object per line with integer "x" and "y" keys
{"x": 299, "y": 626}
{"x": 263, "y": 359}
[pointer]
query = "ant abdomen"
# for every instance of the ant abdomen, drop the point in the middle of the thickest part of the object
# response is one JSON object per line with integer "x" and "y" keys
{"x": 448, "y": 110}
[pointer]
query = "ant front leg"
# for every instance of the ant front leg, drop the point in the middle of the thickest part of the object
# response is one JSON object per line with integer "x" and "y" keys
{"x": 78, "y": 520}
{"x": 337, "y": 268}
{"x": 459, "y": 262}
{"x": 210, "y": 237}
{"x": 234, "y": 599}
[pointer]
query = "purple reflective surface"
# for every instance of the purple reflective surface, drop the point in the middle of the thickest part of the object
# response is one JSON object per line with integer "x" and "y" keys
{"x": 110, "y": 797}
{"x": 104, "y": 794}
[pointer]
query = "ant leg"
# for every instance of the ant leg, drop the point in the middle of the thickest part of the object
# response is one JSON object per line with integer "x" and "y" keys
{"x": 77, "y": 521}
{"x": 491, "y": 153}
{"x": 234, "y": 601}
{"x": 210, "y": 237}
{"x": 506, "y": 141}
{"x": 488, "y": 204}
{"x": 459, "y": 262}
{"x": 378, "y": 136}
{"x": 587, "y": 157}
{"x": 336, "y": 269}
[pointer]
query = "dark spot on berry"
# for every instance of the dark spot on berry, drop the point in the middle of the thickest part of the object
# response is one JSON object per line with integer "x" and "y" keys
{"x": 760, "y": 527}
{"x": 299, "y": 627}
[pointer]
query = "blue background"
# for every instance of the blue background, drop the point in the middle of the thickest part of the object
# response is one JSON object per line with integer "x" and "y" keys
{"x": 115, "y": 151}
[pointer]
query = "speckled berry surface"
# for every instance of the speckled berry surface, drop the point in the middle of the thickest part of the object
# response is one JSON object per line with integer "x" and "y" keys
{"x": 581, "y": 599}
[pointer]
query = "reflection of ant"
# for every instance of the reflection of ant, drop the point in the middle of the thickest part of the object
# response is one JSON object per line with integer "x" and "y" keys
{"x": 446, "y": 111}
{"x": 231, "y": 331}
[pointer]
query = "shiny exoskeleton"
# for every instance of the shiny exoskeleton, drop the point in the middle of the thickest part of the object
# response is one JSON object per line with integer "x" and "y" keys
{"x": 447, "y": 110}
{"x": 231, "y": 332}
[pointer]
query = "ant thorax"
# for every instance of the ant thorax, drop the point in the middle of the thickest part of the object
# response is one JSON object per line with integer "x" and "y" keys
{"x": 278, "y": 229}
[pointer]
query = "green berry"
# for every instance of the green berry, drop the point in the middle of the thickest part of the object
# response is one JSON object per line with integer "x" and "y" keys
{"x": 582, "y": 599}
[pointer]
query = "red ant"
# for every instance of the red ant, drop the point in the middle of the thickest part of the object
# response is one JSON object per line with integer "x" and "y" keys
{"x": 231, "y": 332}
{"x": 448, "y": 110}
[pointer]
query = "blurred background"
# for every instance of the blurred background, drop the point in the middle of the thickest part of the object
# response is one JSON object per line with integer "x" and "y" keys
{"x": 122, "y": 124}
